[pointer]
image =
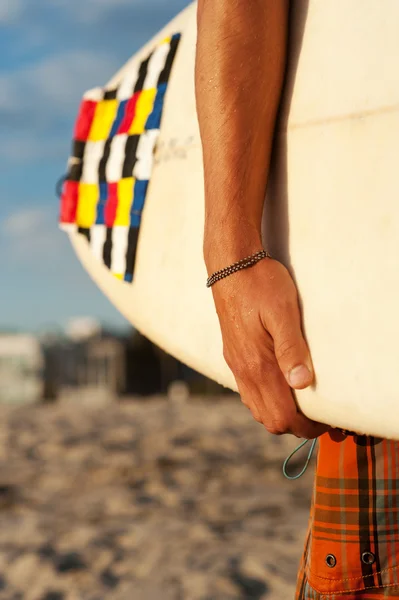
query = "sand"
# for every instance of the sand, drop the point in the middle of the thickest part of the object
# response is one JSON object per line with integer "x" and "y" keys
{"x": 147, "y": 501}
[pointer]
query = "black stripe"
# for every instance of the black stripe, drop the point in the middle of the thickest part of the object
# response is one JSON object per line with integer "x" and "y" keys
{"x": 110, "y": 94}
{"x": 103, "y": 162}
{"x": 107, "y": 250}
{"x": 348, "y": 484}
{"x": 78, "y": 149}
{"x": 84, "y": 231}
{"x": 131, "y": 250}
{"x": 142, "y": 74}
{"x": 375, "y": 524}
{"x": 364, "y": 503}
{"x": 76, "y": 169}
{"x": 165, "y": 73}
{"x": 350, "y": 536}
{"x": 130, "y": 155}
{"x": 75, "y": 172}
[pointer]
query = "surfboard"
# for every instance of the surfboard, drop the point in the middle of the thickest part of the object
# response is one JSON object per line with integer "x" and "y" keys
{"x": 133, "y": 203}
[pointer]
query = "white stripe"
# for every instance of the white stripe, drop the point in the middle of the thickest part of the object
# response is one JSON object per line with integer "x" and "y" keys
{"x": 94, "y": 152}
{"x": 98, "y": 234}
{"x": 120, "y": 236}
{"x": 96, "y": 94}
{"x": 68, "y": 227}
{"x": 156, "y": 65}
{"x": 145, "y": 154}
{"x": 114, "y": 166}
{"x": 126, "y": 88}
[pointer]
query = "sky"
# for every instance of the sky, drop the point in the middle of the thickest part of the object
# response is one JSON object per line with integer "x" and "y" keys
{"x": 51, "y": 52}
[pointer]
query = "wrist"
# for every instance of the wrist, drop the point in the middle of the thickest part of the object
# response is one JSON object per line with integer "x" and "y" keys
{"x": 226, "y": 245}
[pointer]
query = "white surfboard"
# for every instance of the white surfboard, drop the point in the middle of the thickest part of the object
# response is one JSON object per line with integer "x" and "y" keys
{"x": 331, "y": 213}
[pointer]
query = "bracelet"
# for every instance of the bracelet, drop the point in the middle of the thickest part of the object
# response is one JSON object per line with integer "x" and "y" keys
{"x": 244, "y": 263}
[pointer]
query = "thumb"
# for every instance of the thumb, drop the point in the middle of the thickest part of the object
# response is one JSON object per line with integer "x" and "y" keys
{"x": 291, "y": 350}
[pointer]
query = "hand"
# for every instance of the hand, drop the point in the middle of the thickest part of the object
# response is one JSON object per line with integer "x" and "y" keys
{"x": 264, "y": 347}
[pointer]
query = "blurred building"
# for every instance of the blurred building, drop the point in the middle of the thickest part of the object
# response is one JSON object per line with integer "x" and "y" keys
{"x": 95, "y": 361}
{"x": 21, "y": 368}
{"x": 88, "y": 361}
{"x": 95, "y": 364}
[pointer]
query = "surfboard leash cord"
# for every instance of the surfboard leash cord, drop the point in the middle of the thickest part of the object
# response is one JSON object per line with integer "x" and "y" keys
{"x": 287, "y": 460}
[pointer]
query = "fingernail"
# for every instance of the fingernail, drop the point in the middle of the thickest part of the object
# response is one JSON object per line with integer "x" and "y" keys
{"x": 299, "y": 375}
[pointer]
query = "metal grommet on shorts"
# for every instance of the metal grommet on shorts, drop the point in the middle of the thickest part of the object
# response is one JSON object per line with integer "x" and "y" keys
{"x": 331, "y": 561}
{"x": 368, "y": 558}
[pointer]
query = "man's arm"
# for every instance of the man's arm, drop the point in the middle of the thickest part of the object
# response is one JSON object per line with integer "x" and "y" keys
{"x": 239, "y": 73}
{"x": 240, "y": 65}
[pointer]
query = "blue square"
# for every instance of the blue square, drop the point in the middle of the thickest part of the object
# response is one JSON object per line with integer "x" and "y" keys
{"x": 154, "y": 119}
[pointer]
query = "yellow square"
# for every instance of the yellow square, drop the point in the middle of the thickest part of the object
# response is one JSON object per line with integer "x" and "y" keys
{"x": 87, "y": 205}
{"x": 104, "y": 118}
{"x": 144, "y": 106}
{"x": 125, "y": 199}
{"x": 119, "y": 276}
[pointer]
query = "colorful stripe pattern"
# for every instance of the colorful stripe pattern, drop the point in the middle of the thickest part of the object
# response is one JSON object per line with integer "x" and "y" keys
{"x": 352, "y": 548}
{"x": 110, "y": 168}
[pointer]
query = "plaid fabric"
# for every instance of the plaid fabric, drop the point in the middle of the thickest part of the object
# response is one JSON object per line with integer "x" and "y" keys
{"x": 112, "y": 159}
{"x": 352, "y": 547}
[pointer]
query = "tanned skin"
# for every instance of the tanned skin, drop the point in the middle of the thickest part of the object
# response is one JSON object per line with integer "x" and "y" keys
{"x": 240, "y": 65}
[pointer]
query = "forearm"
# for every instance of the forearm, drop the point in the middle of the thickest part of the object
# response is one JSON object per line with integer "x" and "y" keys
{"x": 239, "y": 73}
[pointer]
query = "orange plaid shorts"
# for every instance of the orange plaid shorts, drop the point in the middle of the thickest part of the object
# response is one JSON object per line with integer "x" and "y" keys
{"x": 352, "y": 546}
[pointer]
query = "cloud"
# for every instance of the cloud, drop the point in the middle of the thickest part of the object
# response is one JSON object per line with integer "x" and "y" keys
{"x": 94, "y": 10}
{"x": 38, "y": 104}
{"x": 52, "y": 86}
{"x": 53, "y": 50}
{"x": 10, "y": 10}
{"x": 8, "y": 93}
{"x": 32, "y": 235}
{"x": 23, "y": 222}
{"x": 61, "y": 79}
{"x": 82, "y": 10}
{"x": 27, "y": 148}
{"x": 58, "y": 49}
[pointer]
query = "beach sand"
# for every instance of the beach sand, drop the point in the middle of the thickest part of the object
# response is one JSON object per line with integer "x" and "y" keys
{"x": 147, "y": 500}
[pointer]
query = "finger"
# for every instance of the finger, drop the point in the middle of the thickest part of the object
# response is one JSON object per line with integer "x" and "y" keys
{"x": 306, "y": 428}
{"x": 269, "y": 393}
{"x": 290, "y": 348}
{"x": 279, "y": 414}
{"x": 247, "y": 398}
{"x": 278, "y": 409}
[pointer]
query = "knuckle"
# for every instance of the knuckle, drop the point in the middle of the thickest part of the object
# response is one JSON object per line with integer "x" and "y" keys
{"x": 259, "y": 365}
{"x": 244, "y": 401}
{"x": 286, "y": 349}
{"x": 250, "y": 367}
{"x": 274, "y": 431}
{"x": 239, "y": 370}
{"x": 283, "y": 308}
{"x": 250, "y": 406}
{"x": 285, "y": 298}
{"x": 277, "y": 426}
{"x": 257, "y": 417}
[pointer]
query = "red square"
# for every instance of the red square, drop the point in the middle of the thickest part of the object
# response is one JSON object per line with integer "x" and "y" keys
{"x": 111, "y": 205}
{"x": 69, "y": 202}
{"x": 130, "y": 113}
{"x": 85, "y": 119}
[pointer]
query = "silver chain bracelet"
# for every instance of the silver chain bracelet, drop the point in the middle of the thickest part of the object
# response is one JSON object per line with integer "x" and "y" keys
{"x": 244, "y": 263}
